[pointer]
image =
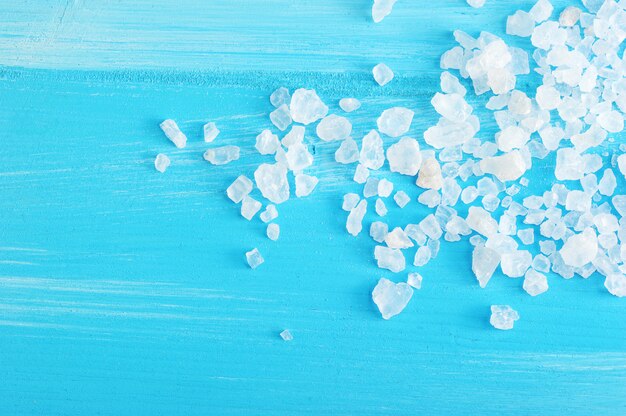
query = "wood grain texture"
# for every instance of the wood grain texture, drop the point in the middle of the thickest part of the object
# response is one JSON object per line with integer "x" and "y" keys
{"x": 123, "y": 291}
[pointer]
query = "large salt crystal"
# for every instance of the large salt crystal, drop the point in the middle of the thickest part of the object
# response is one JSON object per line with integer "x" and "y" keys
{"x": 279, "y": 97}
{"x": 519, "y": 103}
{"x": 382, "y": 74}
{"x": 611, "y": 121}
{"x": 448, "y": 134}
{"x": 430, "y": 226}
{"x": 484, "y": 263}
{"x": 349, "y": 201}
{"x": 547, "y": 35}
{"x": 271, "y": 179}
{"x": 241, "y": 187}
{"x": 349, "y": 104}
{"x": 401, "y": 198}
{"x": 389, "y": 258}
{"x": 267, "y": 143}
{"x": 452, "y": 107}
{"x": 210, "y": 132}
{"x": 615, "y": 283}
{"x": 171, "y": 130}
{"x": 391, "y": 298}
{"x": 380, "y": 208}
{"x": 371, "y": 187}
{"x": 398, "y": 239}
{"x": 161, "y": 162}
{"x": 548, "y": 97}
{"x": 354, "y": 224}
{"x": 481, "y": 221}
{"x": 395, "y": 121}
{"x": 520, "y": 24}
{"x": 507, "y": 167}
{"x": 451, "y": 85}
{"x": 569, "y": 164}
{"x": 269, "y": 214}
{"x": 429, "y": 176}
{"x": 580, "y": 249}
{"x": 334, "y": 127}
{"x": 512, "y": 137}
{"x": 254, "y": 258}
{"x": 404, "y": 156}
{"x": 273, "y": 231}
{"x": 422, "y": 256}
{"x": 306, "y": 107}
{"x": 569, "y": 16}
{"x": 372, "y": 153}
{"x": 578, "y": 201}
{"x": 515, "y": 263}
{"x": 221, "y": 155}
{"x": 385, "y": 188}
{"x": 476, "y": 3}
{"x": 378, "y": 231}
{"x": 249, "y": 207}
{"x": 503, "y": 317}
{"x": 541, "y": 10}
{"x": 281, "y": 117}
{"x": 295, "y": 135}
{"x": 348, "y": 152}
{"x": 305, "y": 184}
{"x": 298, "y": 157}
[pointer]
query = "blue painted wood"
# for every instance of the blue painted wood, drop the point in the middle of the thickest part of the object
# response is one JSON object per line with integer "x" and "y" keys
{"x": 123, "y": 291}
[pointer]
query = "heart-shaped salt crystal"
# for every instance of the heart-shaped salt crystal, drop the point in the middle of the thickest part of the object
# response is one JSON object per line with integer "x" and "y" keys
{"x": 391, "y": 298}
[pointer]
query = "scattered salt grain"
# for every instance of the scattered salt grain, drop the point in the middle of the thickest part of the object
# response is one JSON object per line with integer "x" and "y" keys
{"x": 404, "y": 156}
{"x": 398, "y": 239}
{"x": 382, "y": 74}
{"x": 269, "y": 214}
{"x": 385, "y": 187}
{"x": 535, "y": 283}
{"x": 354, "y": 224}
{"x": 484, "y": 263}
{"x": 378, "y": 231}
{"x": 305, "y": 184}
{"x": 380, "y": 207}
{"x": 395, "y": 121}
{"x": 241, "y": 187}
{"x": 280, "y": 96}
{"x": 580, "y": 249}
{"x": 306, "y": 107}
{"x": 273, "y": 231}
{"x": 422, "y": 256}
{"x": 210, "y": 132}
{"x": 361, "y": 174}
{"x": 161, "y": 162}
{"x": 401, "y": 198}
{"x": 272, "y": 182}
{"x": 254, "y": 258}
{"x": 350, "y": 201}
{"x": 171, "y": 130}
{"x": 391, "y": 298}
{"x": 476, "y": 3}
{"x": 349, "y": 104}
{"x": 372, "y": 154}
{"x": 503, "y": 317}
{"x": 281, "y": 117}
{"x": 333, "y": 127}
{"x": 221, "y": 155}
{"x": 286, "y": 335}
{"x": 267, "y": 143}
{"x": 249, "y": 207}
{"x": 415, "y": 280}
{"x": 389, "y": 258}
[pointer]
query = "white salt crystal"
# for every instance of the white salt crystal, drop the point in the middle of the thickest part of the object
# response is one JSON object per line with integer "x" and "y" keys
{"x": 519, "y": 103}
{"x": 548, "y": 98}
{"x": 241, "y": 187}
{"x": 580, "y": 249}
{"x": 385, "y": 187}
{"x": 430, "y": 198}
{"x": 401, "y": 198}
{"x": 507, "y": 167}
{"x": 298, "y": 157}
{"x": 333, "y": 127}
{"x": 295, "y": 135}
{"x": 520, "y": 24}
{"x": 503, "y": 317}
{"x": 254, "y": 258}
{"x": 349, "y": 104}
{"x": 422, "y": 256}
{"x": 476, "y": 3}
{"x": 415, "y": 280}
{"x": 541, "y": 263}
{"x": 615, "y": 283}
{"x": 381, "y": 9}
{"x": 306, "y": 107}
{"x": 526, "y": 236}
{"x": 269, "y": 214}
{"x": 481, "y": 221}
{"x": 512, "y": 137}
{"x": 484, "y": 263}
{"x": 429, "y": 176}
{"x": 210, "y": 132}
{"x": 446, "y": 133}
{"x": 354, "y": 224}
{"x": 349, "y": 201}
{"x": 286, "y": 335}
{"x": 578, "y": 201}
{"x": 273, "y": 231}
{"x": 451, "y": 85}
{"x": 280, "y": 96}
{"x": 389, "y": 258}
{"x": 404, "y": 156}
{"x": 608, "y": 183}
{"x": 391, "y": 298}
{"x": 395, "y": 121}
{"x": 271, "y": 179}
{"x": 541, "y": 10}
{"x": 611, "y": 121}
{"x": 569, "y": 17}
{"x": 515, "y": 263}
{"x": 371, "y": 187}
{"x": 398, "y": 239}
{"x": 281, "y": 117}
{"x": 380, "y": 208}
{"x": 382, "y": 74}
{"x": 161, "y": 162}
{"x": 267, "y": 143}
{"x": 621, "y": 164}
{"x": 430, "y": 226}
{"x": 548, "y": 34}
{"x": 569, "y": 164}
{"x": 378, "y": 231}
{"x": 372, "y": 153}
{"x": 305, "y": 184}
{"x": 221, "y": 155}
{"x": 452, "y": 107}
{"x": 249, "y": 207}
{"x": 361, "y": 174}
{"x": 171, "y": 130}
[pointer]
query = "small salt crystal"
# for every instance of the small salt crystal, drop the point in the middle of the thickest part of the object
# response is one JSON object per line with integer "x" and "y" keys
{"x": 305, "y": 184}
{"x": 295, "y": 135}
{"x": 391, "y": 298}
{"x": 515, "y": 263}
{"x": 621, "y": 164}
{"x": 430, "y": 198}
{"x": 272, "y": 182}
{"x": 503, "y": 317}
{"x": 349, "y": 104}
{"x": 249, "y": 207}
{"x": 569, "y": 17}
{"x": 372, "y": 154}
{"x": 429, "y": 176}
{"x": 348, "y": 152}
{"x": 378, "y": 231}
{"x": 254, "y": 258}
{"x": 382, "y": 74}
{"x": 354, "y": 224}
{"x": 526, "y": 236}
{"x": 520, "y": 24}
{"x": 267, "y": 143}
{"x": 541, "y": 10}
{"x": 422, "y": 256}
{"x": 241, "y": 187}
{"x": 210, "y": 132}
{"x": 507, "y": 167}
{"x": 430, "y": 226}
{"x": 535, "y": 283}
{"x": 398, "y": 239}
{"x": 385, "y": 187}
{"x": 615, "y": 283}
{"x": 481, "y": 221}
{"x": 280, "y": 96}
{"x": 512, "y": 137}
{"x": 476, "y": 3}
{"x": 281, "y": 117}
{"x": 608, "y": 183}
{"x": 395, "y": 121}
{"x": 381, "y": 9}
{"x": 286, "y": 335}
{"x": 404, "y": 156}
{"x": 381, "y": 209}
{"x": 221, "y": 155}
{"x": 484, "y": 263}
{"x": 371, "y": 187}
{"x": 306, "y": 107}
{"x": 298, "y": 157}
{"x": 349, "y": 201}
{"x": 269, "y": 214}
{"x": 361, "y": 174}
{"x": 273, "y": 231}
{"x": 401, "y": 198}
{"x": 580, "y": 249}
{"x": 333, "y": 127}
{"x": 389, "y": 258}
{"x": 161, "y": 162}
{"x": 452, "y": 107}
{"x": 415, "y": 280}
{"x": 171, "y": 130}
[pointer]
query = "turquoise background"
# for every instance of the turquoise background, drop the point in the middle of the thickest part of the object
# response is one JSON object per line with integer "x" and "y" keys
{"x": 124, "y": 291}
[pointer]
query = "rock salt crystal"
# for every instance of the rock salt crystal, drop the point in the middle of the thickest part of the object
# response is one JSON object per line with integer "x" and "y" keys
{"x": 415, "y": 280}
{"x": 241, "y": 187}
{"x": 349, "y": 201}
{"x": 404, "y": 156}
{"x": 391, "y": 298}
{"x": 515, "y": 263}
{"x": 354, "y": 224}
{"x": 372, "y": 155}
{"x": 254, "y": 258}
{"x": 382, "y": 74}
{"x": 380, "y": 208}
{"x": 305, "y": 184}
{"x": 272, "y": 182}
{"x": 306, "y": 107}
{"x": 171, "y": 130}
{"x": 381, "y": 9}
{"x": 273, "y": 231}
{"x": 476, "y": 3}
{"x": 508, "y": 167}
{"x": 295, "y": 135}
{"x": 348, "y": 152}
{"x": 249, "y": 207}
{"x": 484, "y": 263}
{"x": 535, "y": 283}
{"x": 452, "y": 107}
{"x": 161, "y": 162}
{"x": 385, "y": 188}
{"x": 503, "y": 317}
{"x": 286, "y": 335}
{"x": 520, "y": 24}
{"x": 361, "y": 173}
{"x": 395, "y": 122}
{"x": 298, "y": 157}
{"x": 580, "y": 249}
{"x": 389, "y": 258}
{"x": 333, "y": 127}
{"x": 210, "y": 132}
{"x": 481, "y": 221}
{"x": 398, "y": 239}
{"x": 349, "y": 104}
{"x": 378, "y": 231}
{"x": 615, "y": 283}
{"x": 269, "y": 214}
{"x": 267, "y": 143}
{"x": 221, "y": 155}
{"x": 401, "y": 198}
{"x": 281, "y": 117}
{"x": 280, "y": 96}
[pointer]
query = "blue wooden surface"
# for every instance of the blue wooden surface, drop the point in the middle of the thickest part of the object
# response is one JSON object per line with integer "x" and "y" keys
{"x": 123, "y": 291}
